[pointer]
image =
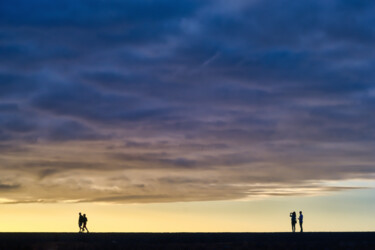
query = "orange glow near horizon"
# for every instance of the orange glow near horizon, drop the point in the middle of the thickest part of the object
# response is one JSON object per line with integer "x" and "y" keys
{"x": 335, "y": 212}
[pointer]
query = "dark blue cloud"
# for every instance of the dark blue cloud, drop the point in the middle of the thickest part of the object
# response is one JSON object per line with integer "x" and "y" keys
{"x": 91, "y": 13}
{"x": 72, "y": 130}
{"x": 81, "y": 101}
{"x": 165, "y": 60}
{"x": 8, "y": 107}
{"x": 14, "y": 85}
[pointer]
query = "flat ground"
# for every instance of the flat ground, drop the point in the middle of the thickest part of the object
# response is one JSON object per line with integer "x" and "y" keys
{"x": 113, "y": 241}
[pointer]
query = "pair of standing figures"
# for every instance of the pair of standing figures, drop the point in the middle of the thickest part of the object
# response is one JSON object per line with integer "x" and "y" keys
{"x": 82, "y": 223}
{"x": 294, "y": 220}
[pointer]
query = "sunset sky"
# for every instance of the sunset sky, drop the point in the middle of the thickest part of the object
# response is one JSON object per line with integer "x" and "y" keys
{"x": 187, "y": 115}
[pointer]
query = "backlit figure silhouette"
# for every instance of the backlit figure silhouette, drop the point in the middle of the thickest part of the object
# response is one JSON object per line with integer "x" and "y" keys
{"x": 80, "y": 222}
{"x": 300, "y": 218}
{"x": 294, "y": 220}
{"x": 84, "y": 223}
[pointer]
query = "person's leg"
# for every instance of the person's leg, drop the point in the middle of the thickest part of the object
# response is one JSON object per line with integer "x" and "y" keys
{"x": 300, "y": 224}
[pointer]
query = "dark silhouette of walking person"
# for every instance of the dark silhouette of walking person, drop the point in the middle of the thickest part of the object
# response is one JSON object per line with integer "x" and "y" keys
{"x": 84, "y": 220}
{"x": 294, "y": 220}
{"x": 300, "y": 219}
{"x": 80, "y": 222}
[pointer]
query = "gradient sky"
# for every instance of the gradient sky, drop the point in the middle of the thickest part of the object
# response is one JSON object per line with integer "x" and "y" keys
{"x": 157, "y": 111}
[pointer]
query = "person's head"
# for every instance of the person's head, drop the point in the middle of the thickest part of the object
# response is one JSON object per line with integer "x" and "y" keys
{"x": 84, "y": 215}
{"x": 80, "y": 214}
{"x": 300, "y": 212}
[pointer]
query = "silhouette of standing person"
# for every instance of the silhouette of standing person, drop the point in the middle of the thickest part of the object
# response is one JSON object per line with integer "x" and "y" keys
{"x": 84, "y": 223}
{"x": 300, "y": 218}
{"x": 294, "y": 220}
{"x": 80, "y": 222}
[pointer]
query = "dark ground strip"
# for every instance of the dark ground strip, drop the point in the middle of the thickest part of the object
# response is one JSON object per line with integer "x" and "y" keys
{"x": 114, "y": 241}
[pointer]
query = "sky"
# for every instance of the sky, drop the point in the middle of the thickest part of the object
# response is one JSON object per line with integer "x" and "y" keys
{"x": 157, "y": 111}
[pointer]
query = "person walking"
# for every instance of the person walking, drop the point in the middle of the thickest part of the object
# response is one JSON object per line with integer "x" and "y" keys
{"x": 84, "y": 220}
{"x": 300, "y": 219}
{"x": 293, "y": 220}
{"x": 80, "y": 222}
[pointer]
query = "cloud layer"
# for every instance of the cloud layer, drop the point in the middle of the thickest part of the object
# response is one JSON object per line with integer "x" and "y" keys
{"x": 159, "y": 101}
